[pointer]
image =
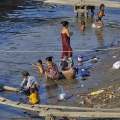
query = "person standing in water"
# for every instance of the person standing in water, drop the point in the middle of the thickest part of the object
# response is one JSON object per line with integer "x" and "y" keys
{"x": 65, "y": 36}
{"x": 82, "y": 26}
{"x": 101, "y": 12}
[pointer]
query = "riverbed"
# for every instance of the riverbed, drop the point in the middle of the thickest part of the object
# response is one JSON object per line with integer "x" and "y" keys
{"x": 31, "y": 31}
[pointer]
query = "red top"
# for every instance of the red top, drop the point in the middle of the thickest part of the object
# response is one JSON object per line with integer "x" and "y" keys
{"x": 66, "y": 47}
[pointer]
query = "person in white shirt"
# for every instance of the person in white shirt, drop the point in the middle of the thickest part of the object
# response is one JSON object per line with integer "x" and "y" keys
{"x": 28, "y": 82}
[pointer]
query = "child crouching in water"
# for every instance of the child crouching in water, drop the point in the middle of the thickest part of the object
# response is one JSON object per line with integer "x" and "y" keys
{"x": 40, "y": 67}
{"x": 34, "y": 96}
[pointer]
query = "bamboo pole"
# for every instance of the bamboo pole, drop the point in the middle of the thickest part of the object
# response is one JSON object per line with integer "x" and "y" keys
{"x": 81, "y": 114}
{"x": 108, "y": 113}
{"x": 8, "y": 88}
{"x": 77, "y": 108}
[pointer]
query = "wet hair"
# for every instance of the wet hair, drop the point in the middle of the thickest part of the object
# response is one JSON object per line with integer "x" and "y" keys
{"x": 25, "y": 73}
{"x": 50, "y": 58}
{"x": 64, "y": 65}
{"x": 65, "y": 23}
{"x": 102, "y": 5}
{"x": 39, "y": 61}
{"x": 82, "y": 22}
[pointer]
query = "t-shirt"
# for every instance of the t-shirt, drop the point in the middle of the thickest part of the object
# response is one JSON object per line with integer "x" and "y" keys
{"x": 29, "y": 82}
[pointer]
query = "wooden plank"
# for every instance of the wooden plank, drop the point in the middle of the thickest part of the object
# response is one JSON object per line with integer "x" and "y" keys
{"x": 77, "y": 108}
{"x": 11, "y": 89}
{"x": 82, "y": 114}
{"x": 58, "y": 113}
{"x": 11, "y": 103}
{"x": 60, "y": 107}
{"x": 8, "y": 88}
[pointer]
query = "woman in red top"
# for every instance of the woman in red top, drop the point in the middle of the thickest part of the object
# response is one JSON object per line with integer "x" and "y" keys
{"x": 65, "y": 36}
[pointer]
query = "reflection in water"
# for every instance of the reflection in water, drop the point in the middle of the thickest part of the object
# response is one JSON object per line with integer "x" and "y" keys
{"x": 51, "y": 90}
{"x": 100, "y": 37}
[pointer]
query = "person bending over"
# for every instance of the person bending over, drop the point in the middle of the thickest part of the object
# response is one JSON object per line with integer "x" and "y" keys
{"x": 28, "y": 82}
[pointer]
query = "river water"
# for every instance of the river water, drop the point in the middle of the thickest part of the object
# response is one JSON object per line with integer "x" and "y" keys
{"x": 30, "y": 31}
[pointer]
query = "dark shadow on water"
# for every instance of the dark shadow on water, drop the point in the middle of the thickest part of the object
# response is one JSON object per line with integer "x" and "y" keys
{"x": 6, "y": 5}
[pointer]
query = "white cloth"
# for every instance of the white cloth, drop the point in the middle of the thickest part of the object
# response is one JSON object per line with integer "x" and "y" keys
{"x": 29, "y": 82}
{"x": 116, "y": 65}
{"x": 96, "y": 26}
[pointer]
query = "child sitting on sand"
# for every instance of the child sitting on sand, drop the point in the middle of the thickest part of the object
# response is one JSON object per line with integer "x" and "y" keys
{"x": 34, "y": 96}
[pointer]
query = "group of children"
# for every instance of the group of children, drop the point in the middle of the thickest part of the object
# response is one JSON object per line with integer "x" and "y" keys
{"x": 50, "y": 70}
{"x": 67, "y": 70}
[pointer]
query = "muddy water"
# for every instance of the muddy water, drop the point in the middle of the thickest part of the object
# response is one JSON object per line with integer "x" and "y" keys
{"x": 32, "y": 26}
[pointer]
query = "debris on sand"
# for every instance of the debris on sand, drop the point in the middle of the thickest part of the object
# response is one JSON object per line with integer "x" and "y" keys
{"x": 103, "y": 98}
{"x": 96, "y": 92}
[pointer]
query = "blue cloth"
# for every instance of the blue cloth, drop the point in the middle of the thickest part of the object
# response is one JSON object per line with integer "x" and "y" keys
{"x": 82, "y": 71}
